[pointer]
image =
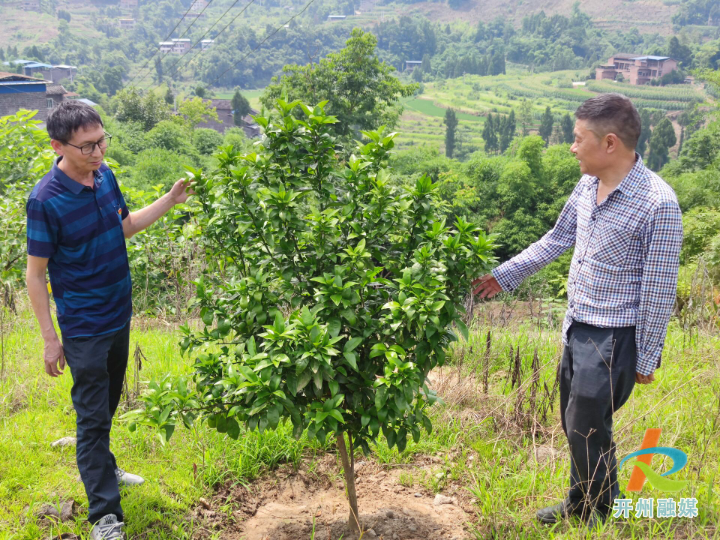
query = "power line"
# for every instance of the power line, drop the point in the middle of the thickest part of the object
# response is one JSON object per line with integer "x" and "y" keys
{"x": 168, "y": 37}
{"x": 263, "y": 41}
{"x": 176, "y": 64}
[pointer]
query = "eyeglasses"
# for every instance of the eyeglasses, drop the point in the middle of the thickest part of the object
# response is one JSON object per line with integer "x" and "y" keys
{"x": 89, "y": 148}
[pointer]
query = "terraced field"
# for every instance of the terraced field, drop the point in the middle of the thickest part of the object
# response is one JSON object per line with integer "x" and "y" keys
{"x": 253, "y": 96}
{"x": 474, "y": 97}
{"x": 22, "y": 28}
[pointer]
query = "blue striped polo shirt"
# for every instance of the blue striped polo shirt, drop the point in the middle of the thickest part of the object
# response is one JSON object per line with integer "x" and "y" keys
{"x": 79, "y": 229}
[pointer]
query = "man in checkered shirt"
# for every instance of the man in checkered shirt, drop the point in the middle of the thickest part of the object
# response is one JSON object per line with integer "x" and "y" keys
{"x": 625, "y": 226}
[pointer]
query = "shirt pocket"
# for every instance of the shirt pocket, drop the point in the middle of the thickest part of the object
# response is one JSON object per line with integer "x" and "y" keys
{"x": 612, "y": 246}
{"x": 112, "y": 214}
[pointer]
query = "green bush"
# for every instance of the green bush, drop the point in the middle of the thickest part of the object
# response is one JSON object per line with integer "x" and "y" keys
{"x": 169, "y": 135}
{"x": 700, "y": 228}
{"x": 206, "y": 140}
{"x": 25, "y": 157}
{"x": 235, "y": 136}
{"x": 157, "y": 166}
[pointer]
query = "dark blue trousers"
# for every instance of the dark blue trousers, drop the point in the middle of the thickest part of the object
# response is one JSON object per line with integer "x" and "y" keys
{"x": 597, "y": 376}
{"x": 97, "y": 365}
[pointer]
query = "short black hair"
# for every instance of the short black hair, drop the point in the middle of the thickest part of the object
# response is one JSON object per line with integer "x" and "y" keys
{"x": 612, "y": 113}
{"x": 69, "y": 116}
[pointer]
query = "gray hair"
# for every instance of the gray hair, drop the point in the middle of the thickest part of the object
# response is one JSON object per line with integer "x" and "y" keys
{"x": 70, "y": 116}
{"x": 612, "y": 113}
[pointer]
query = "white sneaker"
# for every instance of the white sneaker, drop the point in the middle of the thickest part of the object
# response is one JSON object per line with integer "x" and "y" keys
{"x": 127, "y": 479}
{"x": 108, "y": 528}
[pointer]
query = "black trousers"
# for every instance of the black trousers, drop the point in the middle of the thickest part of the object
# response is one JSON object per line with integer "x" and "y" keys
{"x": 597, "y": 375}
{"x": 97, "y": 365}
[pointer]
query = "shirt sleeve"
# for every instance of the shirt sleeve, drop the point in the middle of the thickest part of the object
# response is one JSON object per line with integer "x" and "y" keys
{"x": 662, "y": 240}
{"x": 556, "y": 242}
{"x": 42, "y": 229}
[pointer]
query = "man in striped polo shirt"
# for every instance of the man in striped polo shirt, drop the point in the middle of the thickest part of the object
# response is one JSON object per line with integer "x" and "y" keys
{"x": 625, "y": 226}
{"x": 77, "y": 223}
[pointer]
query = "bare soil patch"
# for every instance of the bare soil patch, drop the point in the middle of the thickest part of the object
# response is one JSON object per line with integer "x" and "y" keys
{"x": 287, "y": 504}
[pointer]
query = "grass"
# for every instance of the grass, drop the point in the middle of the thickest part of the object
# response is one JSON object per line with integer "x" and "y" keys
{"x": 487, "y": 451}
{"x": 253, "y": 96}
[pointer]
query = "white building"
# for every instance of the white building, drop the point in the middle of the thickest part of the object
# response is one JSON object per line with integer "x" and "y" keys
{"x": 198, "y": 5}
{"x": 181, "y": 45}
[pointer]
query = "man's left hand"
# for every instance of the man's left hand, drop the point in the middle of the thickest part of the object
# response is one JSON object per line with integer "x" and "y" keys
{"x": 181, "y": 191}
{"x": 644, "y": 379}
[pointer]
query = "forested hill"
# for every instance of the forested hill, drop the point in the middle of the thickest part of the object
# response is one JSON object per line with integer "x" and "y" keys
{"x": 655, "y": 15}
{"x": 255, "y": 39}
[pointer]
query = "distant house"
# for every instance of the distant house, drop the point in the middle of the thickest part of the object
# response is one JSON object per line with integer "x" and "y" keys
{"x": 48, "y": 72}
{"x": 34, "y": 69}
{"x": 410, "y": 65}
{"x": 54, "y": 94}
{"x": 127, "y": 23}
{"x": 635, "y": 69}
{"x": 167, "y": 47}
{"x": 31, "y": 5}
{"x": 198, "y": 5}
{"x": 128, "y": 4}
{"x": 19, "y": 62}
{"x": 336, "y": 18}
{"x": 62, "y": 72}
{"x": 206, "y": 43}
{"x": 181, "y": 46}
{"x": 224, "y": 110}
{"x": 23, "y": 92}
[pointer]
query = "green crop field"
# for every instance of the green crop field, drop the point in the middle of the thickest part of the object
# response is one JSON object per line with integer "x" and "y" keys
{"x": 474, "y": 97}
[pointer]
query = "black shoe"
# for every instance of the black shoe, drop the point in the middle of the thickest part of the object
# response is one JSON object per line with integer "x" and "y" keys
{"x": 596, "y": 519}
{"x": 553, "y": 514}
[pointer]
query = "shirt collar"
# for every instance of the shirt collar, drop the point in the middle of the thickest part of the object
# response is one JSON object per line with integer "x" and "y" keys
{"x": 631, "y": 182}
{"x": 74, "y": 186}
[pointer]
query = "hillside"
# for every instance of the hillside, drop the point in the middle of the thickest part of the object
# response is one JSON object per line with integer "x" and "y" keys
{"x": 646, "y": 15}
{"x": 24, "y": 28}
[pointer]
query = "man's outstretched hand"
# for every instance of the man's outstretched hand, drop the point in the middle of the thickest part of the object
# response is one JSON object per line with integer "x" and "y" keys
{"x": 486, "y": 286}
{"x": 181, "y": 191}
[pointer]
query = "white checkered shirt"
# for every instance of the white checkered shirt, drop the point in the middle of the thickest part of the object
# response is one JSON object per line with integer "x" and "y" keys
{"x": 625, "y": 265}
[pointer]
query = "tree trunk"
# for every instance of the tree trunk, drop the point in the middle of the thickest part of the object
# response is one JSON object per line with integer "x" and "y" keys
{"x": 349, "y": 469}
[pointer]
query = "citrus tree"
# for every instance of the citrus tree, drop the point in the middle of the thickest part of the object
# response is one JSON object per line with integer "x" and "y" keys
{"x": 347, "y": 290}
